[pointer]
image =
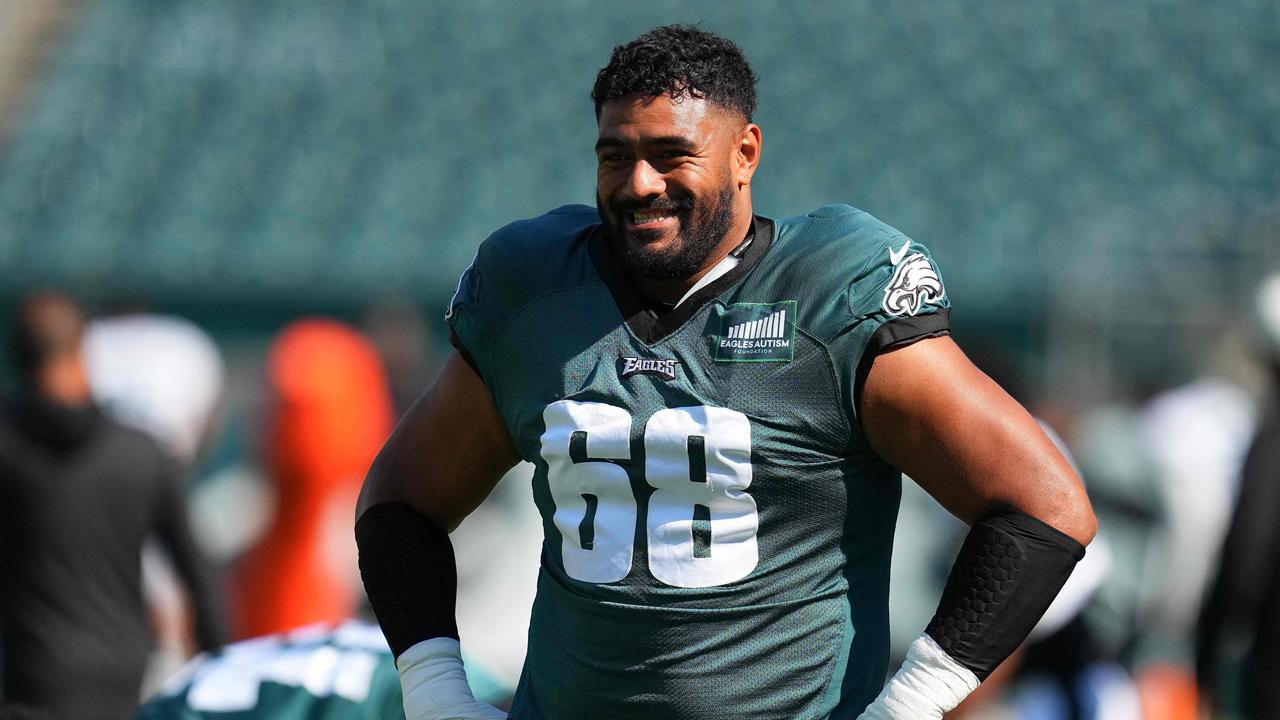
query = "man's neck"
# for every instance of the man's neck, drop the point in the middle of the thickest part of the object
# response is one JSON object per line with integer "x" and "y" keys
{"x": 669, "y": 292}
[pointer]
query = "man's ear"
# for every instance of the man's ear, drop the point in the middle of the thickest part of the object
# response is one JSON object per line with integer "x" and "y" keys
{"x": 747, "y": 154}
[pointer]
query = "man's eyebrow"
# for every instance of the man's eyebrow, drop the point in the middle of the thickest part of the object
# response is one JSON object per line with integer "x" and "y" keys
{"x": 679, "y": 141}
{"x": 610, "y": 142}
{"x": 671, "y": 141}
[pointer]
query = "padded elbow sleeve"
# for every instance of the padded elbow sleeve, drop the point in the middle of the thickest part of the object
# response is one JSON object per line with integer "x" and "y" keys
{"x": 407, "y": 565}
{"x": 1009, "y": 570}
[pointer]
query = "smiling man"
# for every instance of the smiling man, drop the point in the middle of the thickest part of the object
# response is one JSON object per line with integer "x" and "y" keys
{"x": 720, "y": 408}
{"x": 673, "y": 201}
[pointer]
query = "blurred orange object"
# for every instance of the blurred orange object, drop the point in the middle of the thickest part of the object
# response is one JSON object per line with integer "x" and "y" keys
{"x": 1167, "y": 692}
{"x": 331, "y": 411}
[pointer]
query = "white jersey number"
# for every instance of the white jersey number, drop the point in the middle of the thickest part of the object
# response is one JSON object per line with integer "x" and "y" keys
{"x": 595, "y": 510}
{"x": 701, "y": 525}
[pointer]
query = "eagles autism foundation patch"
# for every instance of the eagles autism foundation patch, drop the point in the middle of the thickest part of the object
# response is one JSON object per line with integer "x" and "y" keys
{"x": 757, "y": 332}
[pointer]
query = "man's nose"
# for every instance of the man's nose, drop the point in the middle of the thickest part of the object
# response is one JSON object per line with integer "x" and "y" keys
{"x": 645, "y": 181}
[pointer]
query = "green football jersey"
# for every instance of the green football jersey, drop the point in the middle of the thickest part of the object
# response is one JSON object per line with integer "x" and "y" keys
{"x": 717, "y": 530}
{"x": 313, "y": 673}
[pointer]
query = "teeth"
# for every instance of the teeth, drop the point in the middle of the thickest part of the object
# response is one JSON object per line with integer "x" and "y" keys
{"x": 645, "y": 216}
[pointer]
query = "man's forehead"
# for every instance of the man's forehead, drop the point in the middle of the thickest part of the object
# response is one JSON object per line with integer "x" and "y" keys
{"x": 661, "y": 115}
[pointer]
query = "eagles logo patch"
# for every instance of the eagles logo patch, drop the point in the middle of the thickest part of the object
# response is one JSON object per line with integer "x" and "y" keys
{"x": 914, "y": 283}
{"x": 665, "y": 369}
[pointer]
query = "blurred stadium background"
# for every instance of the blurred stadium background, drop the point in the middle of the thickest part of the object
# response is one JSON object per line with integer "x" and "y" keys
{"x": 1100, "y": 181}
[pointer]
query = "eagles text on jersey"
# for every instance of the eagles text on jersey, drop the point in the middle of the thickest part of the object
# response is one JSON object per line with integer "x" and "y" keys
{"x": 717, "y": 530}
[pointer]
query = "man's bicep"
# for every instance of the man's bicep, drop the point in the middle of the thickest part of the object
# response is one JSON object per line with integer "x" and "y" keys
{"x": 928, "y": 411}
{"x": 446, "y": 453}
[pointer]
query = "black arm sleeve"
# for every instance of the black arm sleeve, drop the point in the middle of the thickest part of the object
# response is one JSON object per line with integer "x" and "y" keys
{"x": 193, "y": 567}
{"x": 406, "y": 562}
{"x": 1009, "y": 570}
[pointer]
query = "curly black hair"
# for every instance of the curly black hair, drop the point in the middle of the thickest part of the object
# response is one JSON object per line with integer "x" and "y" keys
{"x": 676, "y": 60}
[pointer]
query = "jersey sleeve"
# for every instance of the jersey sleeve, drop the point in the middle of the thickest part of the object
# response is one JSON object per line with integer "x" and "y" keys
{"x": 895, "y": 297}
{"x": 512, "y": 266}
{"x": 466, "y": 328}
{"x": 488, "y": 292}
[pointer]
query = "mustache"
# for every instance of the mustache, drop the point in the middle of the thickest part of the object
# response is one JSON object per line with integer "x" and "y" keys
{"x": 631, "y": 206}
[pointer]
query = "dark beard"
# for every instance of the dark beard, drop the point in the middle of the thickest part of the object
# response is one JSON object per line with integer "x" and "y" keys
{"x": 701, "y": 230}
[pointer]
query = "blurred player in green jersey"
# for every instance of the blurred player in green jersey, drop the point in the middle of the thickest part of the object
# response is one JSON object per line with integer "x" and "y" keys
{"x": 317, "y": 672}
{"x": 719, "y": 407}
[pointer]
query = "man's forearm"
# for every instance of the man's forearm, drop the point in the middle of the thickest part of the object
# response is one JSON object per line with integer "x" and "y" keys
{"x": 1009, "y": 570}
{"x": 407, "y": 565}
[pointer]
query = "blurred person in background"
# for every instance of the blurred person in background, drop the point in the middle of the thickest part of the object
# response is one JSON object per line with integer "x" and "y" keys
{"x": 10, "y": 711}
{"x": 1195, "y": 438}
{"x": 79, "y": 494}
{"x": 163, "y": 375}
{"x": 1238, "y": 637}
{"x": 329, "y": 411}
{"x": 318, "y": 672}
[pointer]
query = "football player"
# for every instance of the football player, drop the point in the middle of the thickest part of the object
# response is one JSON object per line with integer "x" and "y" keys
{"x": 316, "y": 672}
{"x": 720, "y": 407}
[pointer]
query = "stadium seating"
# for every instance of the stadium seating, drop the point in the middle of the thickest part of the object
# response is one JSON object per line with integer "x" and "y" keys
{"x": 1105, "y": 166}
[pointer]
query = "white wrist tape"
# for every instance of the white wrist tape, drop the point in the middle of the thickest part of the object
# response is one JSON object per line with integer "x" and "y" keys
{"x": 435, "y": 684}
{"x": 929, "y": 683}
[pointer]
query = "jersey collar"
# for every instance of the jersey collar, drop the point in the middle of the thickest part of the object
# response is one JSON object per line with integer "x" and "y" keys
{"x": 643, "y": 322}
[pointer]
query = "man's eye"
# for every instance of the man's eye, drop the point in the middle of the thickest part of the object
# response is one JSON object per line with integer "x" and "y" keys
{"x": 612, "y": 157}
{"x": 672, "y": 154}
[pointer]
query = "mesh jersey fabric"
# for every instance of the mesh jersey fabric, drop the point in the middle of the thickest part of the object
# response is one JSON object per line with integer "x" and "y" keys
{"x": 717, "y": 530}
